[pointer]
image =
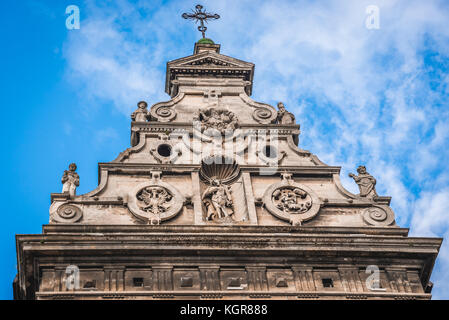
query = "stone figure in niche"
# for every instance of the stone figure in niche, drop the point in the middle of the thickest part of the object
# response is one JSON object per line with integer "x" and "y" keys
{"x": 141, "y": 114}
{"x": 284, "y": 117}
{"x": 292, "y": 200}
{"x": 154, "y": 200}
{"x": 366, "y": 183}
{"x": 217, "y": 119}
{"x": 218, "y": 201}
{"x": 70, "y": 180}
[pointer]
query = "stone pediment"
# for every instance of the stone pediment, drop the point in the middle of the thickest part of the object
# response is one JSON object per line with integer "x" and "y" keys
{"x": 208, "y": 63}
{"x": 210, "y": 59}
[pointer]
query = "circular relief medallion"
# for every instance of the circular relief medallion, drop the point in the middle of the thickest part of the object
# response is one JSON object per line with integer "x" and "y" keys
{"x": 378, "y": 216}
{"x": 291, "y": 202}
{"x": 155, "y": 202}
{"x": 68, "y": 213}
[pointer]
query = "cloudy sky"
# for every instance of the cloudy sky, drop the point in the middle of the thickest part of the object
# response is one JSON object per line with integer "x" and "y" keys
{"x": 377, "y": 97}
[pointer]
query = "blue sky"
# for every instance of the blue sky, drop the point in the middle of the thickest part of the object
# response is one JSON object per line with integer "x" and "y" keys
{"x": 375, "y": 97}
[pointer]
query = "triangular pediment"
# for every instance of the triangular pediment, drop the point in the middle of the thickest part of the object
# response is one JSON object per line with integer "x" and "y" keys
{"x": 205, "y": 64}
{"x": 210, "y": 59}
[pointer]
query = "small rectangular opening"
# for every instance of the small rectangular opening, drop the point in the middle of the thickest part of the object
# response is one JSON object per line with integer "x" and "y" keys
{"x": 327, "y": 283}
{"x": 138, "y": 282}
{"x": 90, "y": 284}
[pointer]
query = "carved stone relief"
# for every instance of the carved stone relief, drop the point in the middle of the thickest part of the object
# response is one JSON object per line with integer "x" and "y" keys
{"x": 156, "y": 201}
{"x": 291, "y": 201}
{"x": 218, "y": 201}
{"x": 218, "y": 172}
{"x": 216, "y": 120}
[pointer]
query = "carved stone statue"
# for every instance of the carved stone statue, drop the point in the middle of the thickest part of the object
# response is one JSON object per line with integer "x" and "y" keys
{"x": 366, "y": 183}
{"x": 70, "y": 180}
{"x": 141, "y": 114}
{"x": 218, "y": 119}
{"x": 284, "y": 117}
{"x": 218, "y": 201}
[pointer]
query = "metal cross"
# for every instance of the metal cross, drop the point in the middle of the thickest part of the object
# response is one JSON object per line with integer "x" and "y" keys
{"x": 202, "y": 16}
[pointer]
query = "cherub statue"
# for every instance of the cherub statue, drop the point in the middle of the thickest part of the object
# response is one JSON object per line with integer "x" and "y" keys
{"x": 284, "y": 117}
{"x": 366, "y": 183}
{"x": 217, "y": 199}
{"x": 141, "y": 114}
{"x": 70, "y": 180}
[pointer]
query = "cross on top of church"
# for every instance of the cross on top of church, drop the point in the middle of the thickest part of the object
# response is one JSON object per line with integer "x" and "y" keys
{"x": 202, "y": 16}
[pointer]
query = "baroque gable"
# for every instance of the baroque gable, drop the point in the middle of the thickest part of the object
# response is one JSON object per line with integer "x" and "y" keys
{"x": 216, "y": 198}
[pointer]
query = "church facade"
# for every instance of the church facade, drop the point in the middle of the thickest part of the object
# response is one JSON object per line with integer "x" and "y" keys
{"x": 215, "y": 200}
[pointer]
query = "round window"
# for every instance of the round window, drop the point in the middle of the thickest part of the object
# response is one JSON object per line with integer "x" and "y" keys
{"x": 164, "y": 150}
{"x": 270, "y": 152}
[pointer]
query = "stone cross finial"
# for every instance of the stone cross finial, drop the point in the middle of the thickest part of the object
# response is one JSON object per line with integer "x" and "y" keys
{"x": 202, "y": 16}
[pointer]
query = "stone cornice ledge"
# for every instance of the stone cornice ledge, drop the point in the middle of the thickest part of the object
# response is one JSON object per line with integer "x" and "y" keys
{"x": 291, "y": 230}
{"x": 314, "y": 295}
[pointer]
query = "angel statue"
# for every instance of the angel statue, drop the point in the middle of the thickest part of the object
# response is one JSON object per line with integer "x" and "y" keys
{"x": 366, "y": 182}
{"x": 217, "y": 199}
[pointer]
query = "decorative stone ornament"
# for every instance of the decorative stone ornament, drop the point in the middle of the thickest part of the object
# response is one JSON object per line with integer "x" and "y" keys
{"x": 219, "y": 168}
{"x": 291, "y": 201}
{"x": 164, "y": 111}
{"x": 67, "y": 213}
{"x": 217, "y": 120}
{"x": 156, "y": 201}
{"x": 378, "y": 216}
{"x": 263, "y": 115}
